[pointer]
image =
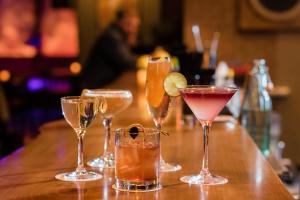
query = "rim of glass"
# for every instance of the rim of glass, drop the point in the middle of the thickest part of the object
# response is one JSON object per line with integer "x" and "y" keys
{"x": 107, "y": 91}
{"x": 75, "y": 99}
{"x": 147, "y": 131}
{"x": 155, "y": 59}
{"x": 209, "y": 86}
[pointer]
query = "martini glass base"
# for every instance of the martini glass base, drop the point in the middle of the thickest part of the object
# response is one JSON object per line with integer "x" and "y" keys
{"x": 102, "y": 162}
{"x": 204, "y": 180}
{"x": 72, "y": 176}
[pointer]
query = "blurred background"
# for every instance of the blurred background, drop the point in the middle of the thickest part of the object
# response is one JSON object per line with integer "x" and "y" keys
{"x": 44, "y": 43}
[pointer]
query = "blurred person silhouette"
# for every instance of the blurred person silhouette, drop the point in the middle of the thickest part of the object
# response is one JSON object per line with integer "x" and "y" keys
{"x": 112, "y": 55}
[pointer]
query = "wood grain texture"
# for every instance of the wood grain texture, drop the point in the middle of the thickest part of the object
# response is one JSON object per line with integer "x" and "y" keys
{"x": 29, "y": 172}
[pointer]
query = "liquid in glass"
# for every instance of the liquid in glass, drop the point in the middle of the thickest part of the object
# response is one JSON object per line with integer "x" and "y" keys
{"x": 79, "y": 112}
{"x": 206, "y": 102}
{"x": 116, "y": 101}
{"x": 157, "y": 99}
{"x": 137, "y": 160}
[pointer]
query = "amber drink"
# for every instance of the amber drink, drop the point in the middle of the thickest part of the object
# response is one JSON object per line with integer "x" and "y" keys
{"x": 137, "y": 160}
{"x": 157, "y": 99}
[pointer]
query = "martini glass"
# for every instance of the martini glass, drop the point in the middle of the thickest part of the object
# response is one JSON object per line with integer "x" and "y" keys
{"x": 206, "y": 102}
{"x": 116, "y": 101}
{"x": 158, "y": 101}
{"x": 79, "y": 112}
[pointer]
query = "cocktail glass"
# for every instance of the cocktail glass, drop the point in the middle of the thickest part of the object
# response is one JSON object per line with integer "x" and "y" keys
{"x": 137, "y": 160}
{"x": 79, "y": 112}
{"x": 157, "y": 99}
{"x": 206, "y": 102}
{"x": 116, "y": 102}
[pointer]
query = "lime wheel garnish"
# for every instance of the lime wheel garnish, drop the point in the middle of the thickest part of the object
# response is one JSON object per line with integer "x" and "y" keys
{"x": 173, "y": 82}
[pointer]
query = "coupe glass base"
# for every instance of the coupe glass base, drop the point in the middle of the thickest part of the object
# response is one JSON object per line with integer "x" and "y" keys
{"x": 204, "y": 180}
{"x": 166, "y": 167}
{"x": 72, "y": 176}
{"x": 102, "y": 162}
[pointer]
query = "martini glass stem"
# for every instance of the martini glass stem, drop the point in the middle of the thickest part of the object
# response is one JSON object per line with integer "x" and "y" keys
{"x": 107, "y": 125}
{"x": 80, "y": 170}
{"x": 206, "y": 129}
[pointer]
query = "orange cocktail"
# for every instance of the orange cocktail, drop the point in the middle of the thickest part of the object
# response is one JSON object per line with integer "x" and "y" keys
{"x": 157, "y": 98}
{"x": 137, "y": 162}
{"x": 137, "y": 159}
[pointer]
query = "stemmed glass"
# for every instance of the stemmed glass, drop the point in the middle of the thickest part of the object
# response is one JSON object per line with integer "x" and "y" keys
{"x": 116, "y": 102}
{"x": 206, "y": 102}
{"x": 158, "y": 101}
{"x": 79, "y": 112}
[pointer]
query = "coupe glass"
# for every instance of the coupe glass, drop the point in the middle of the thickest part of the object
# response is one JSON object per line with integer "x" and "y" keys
{"x": 116, "y": 102}
{"x": 206, "y": 102}
{"x": 157, "y": 99}
{"x": 79, "y": 112}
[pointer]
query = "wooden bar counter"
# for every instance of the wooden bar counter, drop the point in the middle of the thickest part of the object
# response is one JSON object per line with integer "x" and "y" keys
{"x": 29, "y": 172}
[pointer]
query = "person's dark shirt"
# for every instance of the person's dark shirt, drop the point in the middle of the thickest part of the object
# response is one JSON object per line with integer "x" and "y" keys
{"x": 108, "y": 59}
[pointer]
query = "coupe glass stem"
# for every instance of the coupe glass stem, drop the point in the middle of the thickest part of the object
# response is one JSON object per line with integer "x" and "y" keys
{"x": 107, "y": 125}
{"x": 206, "y": 129}
{"x": 80, "y": 170}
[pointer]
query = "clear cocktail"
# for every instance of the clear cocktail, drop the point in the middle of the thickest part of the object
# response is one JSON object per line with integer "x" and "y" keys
{"x": 116, "y": 101}
{"x": 79, "y": 112}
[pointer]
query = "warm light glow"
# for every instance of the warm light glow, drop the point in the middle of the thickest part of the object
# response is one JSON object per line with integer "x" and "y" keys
{"x": 4, "y": 75}
{"x": 75, "y": 68}
{"x": 141, "y": 78}
{"x": 17, "y": 21}
{"x": 160, "y": 52}
{"x": 142, "y": 61}
{"x": 59, "y": 33}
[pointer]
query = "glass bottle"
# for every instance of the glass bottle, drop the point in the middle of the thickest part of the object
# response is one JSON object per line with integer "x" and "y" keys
{"x": 257, "y": 106}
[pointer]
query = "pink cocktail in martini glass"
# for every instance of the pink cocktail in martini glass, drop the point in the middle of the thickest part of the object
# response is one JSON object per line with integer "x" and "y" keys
{"x": 206, "y": 102}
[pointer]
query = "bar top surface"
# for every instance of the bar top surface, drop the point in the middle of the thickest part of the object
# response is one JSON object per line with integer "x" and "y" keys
{"x": 29, "y": 172}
